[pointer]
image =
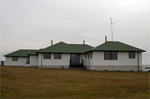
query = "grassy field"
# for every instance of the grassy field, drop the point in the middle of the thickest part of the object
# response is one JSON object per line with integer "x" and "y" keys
{"x": 26, "y": 82}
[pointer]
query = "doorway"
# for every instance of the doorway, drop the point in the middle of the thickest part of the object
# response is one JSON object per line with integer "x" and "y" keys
{"x": 75, "y": 60}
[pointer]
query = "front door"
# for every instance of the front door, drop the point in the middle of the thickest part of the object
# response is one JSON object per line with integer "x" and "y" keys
{"x": 74, "y": 59}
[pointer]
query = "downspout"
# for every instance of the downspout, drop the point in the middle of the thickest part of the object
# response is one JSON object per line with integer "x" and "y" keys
{"x": 138, "y": 68}
{"x": 70, "y": 61}
{"x": 89, "y": 61}
{"x": 26, "y": 60}
{"x": 41, "y": 60}
{"x": 89, "y": 64}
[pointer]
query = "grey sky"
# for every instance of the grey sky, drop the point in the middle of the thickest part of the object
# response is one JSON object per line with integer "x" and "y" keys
{"x": 31, "y": 24}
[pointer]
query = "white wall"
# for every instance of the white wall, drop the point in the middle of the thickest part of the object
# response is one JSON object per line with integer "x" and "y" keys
{"x": 39, "y": 59}
{"x": 54, "y": 63}
{"x": 123, "y": 59}
{"x": 140, "y": 58}
{"x": 122, "y": 63}
{"x": 33, "y": 61}
{"x": 84, "y": 57}
{"x": 21, "y": 61}
{"x": 89, "y": 60}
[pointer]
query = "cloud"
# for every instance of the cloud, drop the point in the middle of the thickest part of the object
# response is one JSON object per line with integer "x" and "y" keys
{"x": 88, "y": 35}
{"x": 33, "y": 23}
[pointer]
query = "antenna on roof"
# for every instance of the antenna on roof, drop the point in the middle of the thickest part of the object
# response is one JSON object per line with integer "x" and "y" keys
{"x": 111, "y": 28}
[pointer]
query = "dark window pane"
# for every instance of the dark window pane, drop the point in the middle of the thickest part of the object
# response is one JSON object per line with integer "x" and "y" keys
{"x": 47, "y": 56}
{"x": 28, "y": 60}
{"x": 114, "y": 55}
{"x": 78, "y": 59}
{"x": 57, "y": 56}
{"x": 107, "y": 55}
{"x": 14, "y": 58}
{"x": 131, "y": 54}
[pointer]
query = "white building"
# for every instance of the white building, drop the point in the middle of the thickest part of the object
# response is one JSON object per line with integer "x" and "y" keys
{"x": 111, "y": 56}
{"x": 115, "y": 56}
{"x": 21, "y": 58}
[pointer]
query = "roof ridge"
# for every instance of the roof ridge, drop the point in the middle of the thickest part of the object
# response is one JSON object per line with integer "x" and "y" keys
{"x": 62, "y": 42}
{"x": 77, "y": 44}
{"x": 28, "y": 49}
{"x": 111, "y": 41}
{"x": 81, "y": 44}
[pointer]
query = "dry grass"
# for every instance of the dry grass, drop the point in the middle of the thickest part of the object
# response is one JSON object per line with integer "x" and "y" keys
{"x": 23, "y": 82}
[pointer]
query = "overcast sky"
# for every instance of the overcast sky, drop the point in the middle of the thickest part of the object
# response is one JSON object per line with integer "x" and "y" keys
{"x": 32, "y": 24}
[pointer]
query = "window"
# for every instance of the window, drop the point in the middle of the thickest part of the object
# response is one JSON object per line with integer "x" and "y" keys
{"x": 57, "y": 56}
{"x": 131, "y": 54}
{"x": 14, "y": 58}
{"x": 91, "y": 55}
{"x": 47, "y": 56}
{"x": 107, "y": 55}
{"x": 110, "y": 55}
{"x": 114, "y": 55}
{"x": 28, "y": 60}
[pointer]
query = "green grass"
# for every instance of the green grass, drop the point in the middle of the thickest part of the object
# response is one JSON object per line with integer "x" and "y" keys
{"x": 26, "y": 82}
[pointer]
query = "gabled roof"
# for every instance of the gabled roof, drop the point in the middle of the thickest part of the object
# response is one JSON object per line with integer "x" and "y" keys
{"x": 62, "y": 47}
{"x": 116, "y": 46}
{"x": 21, "y": 53}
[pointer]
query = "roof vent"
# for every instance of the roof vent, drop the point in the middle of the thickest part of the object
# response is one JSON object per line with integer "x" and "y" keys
{"x": 105, "y": 38}
{"x": 83, "y": 42}
{"x": 51, "y": 42}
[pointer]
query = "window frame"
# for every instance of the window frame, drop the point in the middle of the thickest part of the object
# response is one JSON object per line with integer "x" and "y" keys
{"x": 105, "y": 55}
{"x": 28, "y": 60}
{"x": 45, "y": 57}
{"x": 130, "y": 55}
{"x": 57, "y": 54}
{"x": 110, "y": 56}
{"x": 13, "y": 58}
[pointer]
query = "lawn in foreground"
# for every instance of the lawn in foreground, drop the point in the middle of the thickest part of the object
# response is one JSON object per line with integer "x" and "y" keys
{"x": 26, "y": 82}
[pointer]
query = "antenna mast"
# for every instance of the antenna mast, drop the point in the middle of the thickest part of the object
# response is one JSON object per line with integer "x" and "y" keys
{"x": 111, "y": 28}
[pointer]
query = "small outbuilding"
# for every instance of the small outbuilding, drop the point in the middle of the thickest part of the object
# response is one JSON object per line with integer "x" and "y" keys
{"x": 22, "y": 57}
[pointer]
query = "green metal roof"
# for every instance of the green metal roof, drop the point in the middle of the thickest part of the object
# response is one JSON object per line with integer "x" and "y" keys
{"x": 22, "y": 53}
{"x": 116, "y": 46}
{"x": 62, "y": 47}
